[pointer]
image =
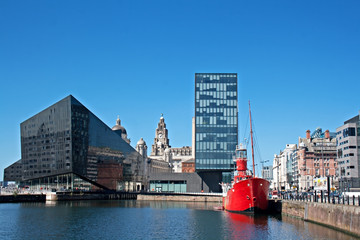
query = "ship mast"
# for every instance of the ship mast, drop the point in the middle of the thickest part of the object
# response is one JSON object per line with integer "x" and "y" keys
{"x": 252, "y": 142}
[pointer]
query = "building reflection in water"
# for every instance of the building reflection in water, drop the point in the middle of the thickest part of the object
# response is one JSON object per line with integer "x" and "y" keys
{"x": 157, "y": 220}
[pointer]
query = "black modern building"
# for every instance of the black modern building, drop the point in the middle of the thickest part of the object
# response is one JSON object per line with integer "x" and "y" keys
{"x": 67, "y": 147}
{"x": 216, "y": 126}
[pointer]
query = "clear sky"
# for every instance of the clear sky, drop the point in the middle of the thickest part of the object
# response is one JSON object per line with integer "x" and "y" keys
{"x": 297, "y": 61}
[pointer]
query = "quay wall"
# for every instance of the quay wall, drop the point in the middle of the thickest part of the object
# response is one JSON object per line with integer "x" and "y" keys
{"x": 181, "y": 198}
{"x": 342, "y": 217}
{"x": 94, "y": 196}
{"x": 22, "y": 198}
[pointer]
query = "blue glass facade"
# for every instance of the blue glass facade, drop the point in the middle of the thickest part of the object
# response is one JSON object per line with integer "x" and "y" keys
{"x": 216, "y": 121}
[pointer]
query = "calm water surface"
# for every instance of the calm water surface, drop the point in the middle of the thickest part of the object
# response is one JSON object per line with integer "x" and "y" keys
{"x": 147, "y": 220}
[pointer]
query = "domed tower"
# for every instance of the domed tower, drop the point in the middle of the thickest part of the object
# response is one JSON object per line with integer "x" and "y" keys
{"x": 120, "y": 130}
{"x": 141, "y": 147}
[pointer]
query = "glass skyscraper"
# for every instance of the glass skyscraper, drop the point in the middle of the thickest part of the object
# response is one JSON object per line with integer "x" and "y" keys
{"x": 216, "y": 122}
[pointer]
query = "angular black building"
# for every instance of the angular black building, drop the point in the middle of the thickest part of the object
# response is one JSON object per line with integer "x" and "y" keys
{"x": 67, "y": 147}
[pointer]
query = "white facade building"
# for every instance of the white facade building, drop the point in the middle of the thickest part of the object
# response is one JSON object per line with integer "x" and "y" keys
{"x": 282, "y": 168}
{"x": 348, "y": 139}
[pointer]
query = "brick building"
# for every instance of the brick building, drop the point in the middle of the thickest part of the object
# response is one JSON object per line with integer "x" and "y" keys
{"x": 316, "y": 158}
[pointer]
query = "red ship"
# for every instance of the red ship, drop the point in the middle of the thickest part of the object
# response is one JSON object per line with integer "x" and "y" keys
{"x": 246, "y": 193}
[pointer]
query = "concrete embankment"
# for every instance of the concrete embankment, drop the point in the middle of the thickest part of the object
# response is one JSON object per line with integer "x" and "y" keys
{"x": 16, "y": 198}
{"x": 69, "y": 196}
{"x": 179, "y": 198}
{"x": 66, "y": 196}
{"x": 342, "y": 217}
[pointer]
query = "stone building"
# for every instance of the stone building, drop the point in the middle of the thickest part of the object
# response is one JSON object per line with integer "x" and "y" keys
{"x": 161, "y": 140}
{"x": 181, "y": 155}
{"x": 169, "y": 169}
{"x": 162, "y": 156}
{"x": 282, "y": 172}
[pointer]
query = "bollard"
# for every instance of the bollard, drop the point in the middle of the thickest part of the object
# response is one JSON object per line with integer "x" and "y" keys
{"x": 348, "y": 200}
{"x": 353, "y": 200}
{"x": 339, "y": 199}
{"x": 321, "y": 196}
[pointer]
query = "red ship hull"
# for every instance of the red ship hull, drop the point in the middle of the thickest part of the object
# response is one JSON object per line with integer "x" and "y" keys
{"x": 249, "y": 195}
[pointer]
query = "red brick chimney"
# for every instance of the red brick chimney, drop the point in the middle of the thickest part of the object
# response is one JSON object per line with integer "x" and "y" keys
{"x": 308, "y": 134}
{"x": 327, "y": 134}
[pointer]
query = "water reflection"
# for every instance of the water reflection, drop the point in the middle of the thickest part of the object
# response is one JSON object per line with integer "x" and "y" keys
{"x": 148, "y": 220}
{"x": 247, "y": 226}
{"x": 126, "y": 204}
{"x": 310, "y": 229}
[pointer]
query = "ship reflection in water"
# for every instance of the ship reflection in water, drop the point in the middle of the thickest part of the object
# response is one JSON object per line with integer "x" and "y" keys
{"x": 148, "y": 220}
{"x": 247, "y": 226}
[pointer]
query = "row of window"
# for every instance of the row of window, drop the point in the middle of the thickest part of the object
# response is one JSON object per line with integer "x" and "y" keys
{"x": 318, "y": 165}
{"x": 213, "y": 166}
{"x": 319, "y": 159}
{"x": 344, "y": 142}
{"x": 348, "y": 132}
{"x": 211, "y": 79}
{"x": 216, "y": 137}
{"x": 349, "y": 147}
{"x": 216, "y": 94}
{"x": 216, "y": 76}
{"x": 214, "y": 161}
{"x": 215, "y": 103}
{"x": 214, "y": 146}
{"x": 227, "y": 111}
{"x": 219, "y": 121}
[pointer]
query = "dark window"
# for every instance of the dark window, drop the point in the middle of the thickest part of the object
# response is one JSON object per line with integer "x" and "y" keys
{"x": 349, "y": 132}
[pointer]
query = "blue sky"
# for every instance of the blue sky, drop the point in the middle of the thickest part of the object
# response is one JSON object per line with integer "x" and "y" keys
{"x": 297, "y": 61}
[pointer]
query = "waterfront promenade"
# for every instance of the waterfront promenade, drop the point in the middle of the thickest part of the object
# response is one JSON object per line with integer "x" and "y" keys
{"x": 341, "y": 213}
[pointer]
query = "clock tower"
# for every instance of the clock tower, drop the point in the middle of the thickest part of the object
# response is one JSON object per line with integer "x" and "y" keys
{"x": 161, "y": 141}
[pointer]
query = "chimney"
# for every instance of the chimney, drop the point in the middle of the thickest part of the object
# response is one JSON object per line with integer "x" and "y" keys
{"x": 327, "y": 134}
{"x": 308, "y": 134}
